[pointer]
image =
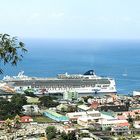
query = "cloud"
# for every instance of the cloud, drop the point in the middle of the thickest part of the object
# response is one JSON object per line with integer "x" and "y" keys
{"x": 56, "y": 14}
{"x": 34, "y": 16}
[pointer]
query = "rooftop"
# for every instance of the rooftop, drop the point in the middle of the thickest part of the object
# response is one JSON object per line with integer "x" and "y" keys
{"x": 84, "y": 107}
{"x": 53, "y": 113}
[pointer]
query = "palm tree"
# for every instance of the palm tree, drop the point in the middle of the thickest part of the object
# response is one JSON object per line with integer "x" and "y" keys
{"x": 8, "y": 125}
{"x": 17, "y": 121}
{"x": 10, "y": 50}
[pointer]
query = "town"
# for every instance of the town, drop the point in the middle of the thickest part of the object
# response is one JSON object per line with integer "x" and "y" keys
{"x": 98, "y": 117}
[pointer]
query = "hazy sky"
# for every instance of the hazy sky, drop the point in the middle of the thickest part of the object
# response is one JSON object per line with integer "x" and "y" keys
{"x": 71, "y": 18}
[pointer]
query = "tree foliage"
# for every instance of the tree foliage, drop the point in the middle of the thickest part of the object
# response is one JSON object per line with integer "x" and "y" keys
{"x": 19, "y": 99}
{"x": 8, "y": 109}
{"x": 47, "y": 101}
{"x": 11, "y": 50}
{"x": 86, "y": 98}
{"x": 51, "y": 132}
{"x": 29, "y": 93}
{"x": 69, "y": 136}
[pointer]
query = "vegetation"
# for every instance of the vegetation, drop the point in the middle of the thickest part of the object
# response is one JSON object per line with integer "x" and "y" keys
{"x": 122, "y": 138}
{"x": 86, "y": 98}
{"x": 11, "y": 50}
{"x": 69, "y": 136}
{"x": 41, "y": 119}
{"x": 29, "y": 92}
{"x": 69, "y": 108}
{"x": 130, "y": 119}
{"x": 51, "y": 132}
{"x": 17, "y": 121}
{"x": 80, "y": 102}
{"x": 8, "y": 125}
{"x": 137, "y": 118}
{"x": 18, "y": 101}
{"x": 48, "y": 101}
{"x": 108, "y": 129}
{"x": 9, "y": 109}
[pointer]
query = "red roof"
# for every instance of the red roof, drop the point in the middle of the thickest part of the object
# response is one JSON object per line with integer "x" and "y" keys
{"x": 94, "y": 105}
{"x": 26, "y": 117}
{"x": 123, "y": 124}
{"x": 121, "y": 117}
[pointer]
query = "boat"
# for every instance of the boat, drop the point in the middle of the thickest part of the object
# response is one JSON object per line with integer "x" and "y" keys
{"x": 125, "y": 73}
{"x": 87, "y": 83}
{"x": 136, "y": 93}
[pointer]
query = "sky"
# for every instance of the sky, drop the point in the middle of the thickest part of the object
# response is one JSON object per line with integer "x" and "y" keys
{"x": 102, "y": 19}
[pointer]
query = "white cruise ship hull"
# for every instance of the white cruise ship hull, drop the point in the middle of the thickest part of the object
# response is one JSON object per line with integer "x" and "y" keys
{"x": 88, "y": 83}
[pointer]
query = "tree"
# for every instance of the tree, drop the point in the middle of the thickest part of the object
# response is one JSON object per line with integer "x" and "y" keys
{"x": 69, "y": 136}
{"x": 51, "y": 132}
{"x": 8, "y": 125}
{"x": 17, "y": 121}
{"x": 6, "y": 109}
{"x": 9, "y": 109}
{"x": 63, "y": 136}
{"x": 18, "y": 100}
{"x": 108, "y": 129}
{"x": 47, "y": 101}
{"x": 86, "y": 98}
{"x": 29, "y": 93}
{"x": 11, "y": 50}
{"x": 72, "y": 109}
{"x": 122, "y": 138}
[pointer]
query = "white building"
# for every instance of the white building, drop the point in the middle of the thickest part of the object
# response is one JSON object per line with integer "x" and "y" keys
{"x": 82, "y": 108}
{"x": 110, "y": 123}
{"x": 30, "y": 109}
{"x": 92, "y": 118}
{"x": 76, "y": 115}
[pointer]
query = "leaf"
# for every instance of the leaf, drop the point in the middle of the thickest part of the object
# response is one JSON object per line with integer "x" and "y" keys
{"x": 1, "y": 71}
{"x": 11, "y": 49}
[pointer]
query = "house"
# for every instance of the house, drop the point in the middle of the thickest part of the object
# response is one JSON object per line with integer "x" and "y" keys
{"x": 70, "y": 95}
{"x": 67, "y": 129}
{"x": 137, "y": 124}
{"x": 86, "y": 121}
{"x": 26, "y": 119}
{"x": 129, "y": 113}
{"x": 121, "y": 117}
{"x": 111, "y": 123}
{"x": 30, "y": 109}
{"x": 62, "y": 107}
{"x": 82, "y": 108}
{"x": 94, "y": 105}
{"x": 123, "y": 127}
{"x": 55, "y": 116}
{"x": 75, "y": 115}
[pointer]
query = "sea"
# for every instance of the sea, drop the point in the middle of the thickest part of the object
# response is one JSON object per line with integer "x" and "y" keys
{"x": 119, "y": 59}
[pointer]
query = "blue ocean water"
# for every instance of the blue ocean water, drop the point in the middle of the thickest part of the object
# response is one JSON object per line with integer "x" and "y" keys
{"x": 113, "y": 58}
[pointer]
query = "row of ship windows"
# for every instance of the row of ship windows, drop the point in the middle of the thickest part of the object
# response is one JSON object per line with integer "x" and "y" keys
{"x": 64, "y": 86}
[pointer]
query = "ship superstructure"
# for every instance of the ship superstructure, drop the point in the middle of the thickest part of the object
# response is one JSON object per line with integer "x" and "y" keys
{"x": 82, "y": 84}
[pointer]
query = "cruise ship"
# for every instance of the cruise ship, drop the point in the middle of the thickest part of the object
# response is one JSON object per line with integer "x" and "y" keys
{"x": 87, "y": 83}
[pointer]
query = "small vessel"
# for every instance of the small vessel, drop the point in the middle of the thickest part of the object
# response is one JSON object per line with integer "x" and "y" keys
{"x": 86, "y": 83}
{"x": 125, "y": 73}
{"x": 136, "y": 93}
